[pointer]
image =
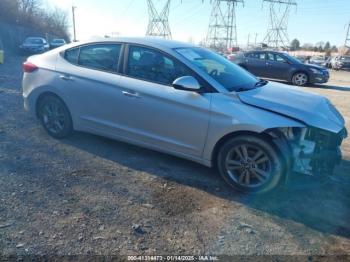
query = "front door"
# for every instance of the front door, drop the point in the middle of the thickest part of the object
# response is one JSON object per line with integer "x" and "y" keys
{"x": 278, "y": 67}
{"x": 157, "y": 114}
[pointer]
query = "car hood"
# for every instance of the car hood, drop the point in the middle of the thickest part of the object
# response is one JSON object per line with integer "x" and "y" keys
{"x": 311, "y": 109}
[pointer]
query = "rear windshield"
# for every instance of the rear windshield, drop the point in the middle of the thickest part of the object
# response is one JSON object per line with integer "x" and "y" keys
{"x": 58, "y": 41}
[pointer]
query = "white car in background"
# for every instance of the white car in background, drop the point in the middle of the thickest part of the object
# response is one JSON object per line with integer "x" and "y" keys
{"x": 341, "y": 62}
{"x": 186, "y": 101}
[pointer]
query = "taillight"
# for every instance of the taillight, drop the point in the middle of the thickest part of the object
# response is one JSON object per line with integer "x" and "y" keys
{"x": 29, "y": 67}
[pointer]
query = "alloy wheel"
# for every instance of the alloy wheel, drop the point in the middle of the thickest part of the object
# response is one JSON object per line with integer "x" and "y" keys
{"x": 300, "y": 79}
{"x": 248, "y": 166}
{"x": 53, "y": 117}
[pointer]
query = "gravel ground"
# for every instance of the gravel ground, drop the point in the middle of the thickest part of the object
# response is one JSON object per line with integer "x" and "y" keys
{"x": 91, "y": 195}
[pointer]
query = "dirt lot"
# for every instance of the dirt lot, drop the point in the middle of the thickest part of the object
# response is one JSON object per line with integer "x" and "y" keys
{"x": 91, "y": 195}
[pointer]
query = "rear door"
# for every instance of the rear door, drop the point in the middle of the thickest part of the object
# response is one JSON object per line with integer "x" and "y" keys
{"x": 89, "y": 81}
{"x": 155, "y": 113}
{"x": 256, "y": 63}
{"x": 277, "y": 66}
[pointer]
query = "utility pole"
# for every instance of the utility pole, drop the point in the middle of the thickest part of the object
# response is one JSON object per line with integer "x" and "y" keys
{"x": 158, "y": 24}
{"x": 256, "y": 38}
{"x": 277, "y": 34}
{"x": 347, "y": 39}
{"x": 74, "y": 32}
{"x": 222, "y": 32}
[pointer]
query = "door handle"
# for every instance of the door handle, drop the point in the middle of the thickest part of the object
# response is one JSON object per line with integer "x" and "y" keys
{"x": 66, "y": 77}
{"x": 131, "y": 94}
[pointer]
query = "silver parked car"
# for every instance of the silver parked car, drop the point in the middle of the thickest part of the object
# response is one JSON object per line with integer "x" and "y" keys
{"x": 187, "y": 101}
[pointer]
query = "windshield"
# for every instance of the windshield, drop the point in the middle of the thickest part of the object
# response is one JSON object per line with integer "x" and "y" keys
{"x": 318, "y": 58}
{"x": 35, "y": 41}
{"x": 229, "y": 75}
{"x": 293, "y": 59}
{"x": 345, "y": 58}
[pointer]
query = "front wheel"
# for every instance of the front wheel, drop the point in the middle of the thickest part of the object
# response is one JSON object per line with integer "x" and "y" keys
{"x": 300, "y": 79}
{"x": 55, "y": 117}
{"x": 250, "y": 164}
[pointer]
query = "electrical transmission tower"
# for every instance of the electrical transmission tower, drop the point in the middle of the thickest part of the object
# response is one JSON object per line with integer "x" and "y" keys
{"x": 347, "y": 39}
{"x": 222, "y": 32}
{"x": 158, "y": 24}
{"x": 277, "y": 34}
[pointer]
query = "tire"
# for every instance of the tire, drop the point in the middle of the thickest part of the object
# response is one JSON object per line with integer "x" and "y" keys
{"x": 235, "y": 164}
{"x": 300, "y": 79}
{"x": 55, "y": 117}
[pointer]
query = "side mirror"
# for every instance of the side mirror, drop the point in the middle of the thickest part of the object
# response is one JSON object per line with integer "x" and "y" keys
{"x": 187, "y": 83}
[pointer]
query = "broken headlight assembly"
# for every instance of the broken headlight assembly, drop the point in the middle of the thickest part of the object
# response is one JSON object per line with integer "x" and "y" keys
{"x": 316, "y": 151}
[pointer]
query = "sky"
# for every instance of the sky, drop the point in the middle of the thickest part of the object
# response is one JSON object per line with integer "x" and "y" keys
{"x": 311, "y": 21}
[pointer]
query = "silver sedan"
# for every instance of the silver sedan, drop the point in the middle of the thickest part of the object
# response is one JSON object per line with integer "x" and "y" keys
{"x": 187, "y": 101}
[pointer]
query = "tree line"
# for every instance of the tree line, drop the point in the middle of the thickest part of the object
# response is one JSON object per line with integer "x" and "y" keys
{"x": 318, "y": 47}
{"x": 34, "y": 14}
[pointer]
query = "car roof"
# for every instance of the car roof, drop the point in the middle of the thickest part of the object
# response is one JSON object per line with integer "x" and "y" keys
{"x": 35, "y": 37}
{"x": 264, "y": 51}
{"x": 149, "y": 41}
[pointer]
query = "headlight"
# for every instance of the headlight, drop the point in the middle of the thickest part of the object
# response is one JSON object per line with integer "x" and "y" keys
{"x": 316, "y": 71}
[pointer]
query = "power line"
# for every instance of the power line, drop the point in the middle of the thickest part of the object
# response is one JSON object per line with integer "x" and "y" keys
{"x": 222, "y": 32}
{"x": 158, "y": 24}
{"x": 347, "y": 38}
{"x": 277, "y": 34}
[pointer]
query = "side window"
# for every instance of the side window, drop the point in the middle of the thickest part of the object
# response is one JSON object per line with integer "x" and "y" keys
{"x": 280, "y": 59}
{"x": 270, "y": 57}
{"x": 251, "y": 55}
{"x": 258, "y": 56}
{"x": 261, "y": 56}
{"x": 154, "y": 66}
{"x": 100, "y": 56}
{"x": 71, "y": 55}
{"x": 275, "y": 58}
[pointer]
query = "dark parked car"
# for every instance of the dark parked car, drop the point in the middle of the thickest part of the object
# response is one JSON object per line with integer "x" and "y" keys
{"x": 57, "y": 43}
{"x": 278, "y": 65}
{"x": 34, "y": 45}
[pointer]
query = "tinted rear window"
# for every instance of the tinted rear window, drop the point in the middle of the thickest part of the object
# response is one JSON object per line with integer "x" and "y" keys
{"x": 71, "y": 55}
{"x": 100, "y": 56}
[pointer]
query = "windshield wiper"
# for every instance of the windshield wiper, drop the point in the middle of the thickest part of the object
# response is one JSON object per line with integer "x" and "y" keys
{"x": 261, "y": 83}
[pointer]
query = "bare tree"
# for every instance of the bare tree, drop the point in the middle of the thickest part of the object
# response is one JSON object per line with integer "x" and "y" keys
{"x": 28, "y": 10}
{"x": 33, "y": 14}
{"x": 8, "y": 10}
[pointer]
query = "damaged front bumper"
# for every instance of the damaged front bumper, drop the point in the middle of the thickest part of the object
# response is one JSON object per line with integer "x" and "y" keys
{"x": 316, "y": 151}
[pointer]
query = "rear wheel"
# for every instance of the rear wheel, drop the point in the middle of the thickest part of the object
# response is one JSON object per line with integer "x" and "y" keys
{"x": 300, "y": 79}
{"x": 55, "y": 117}
{"x": 250, "y": 164}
